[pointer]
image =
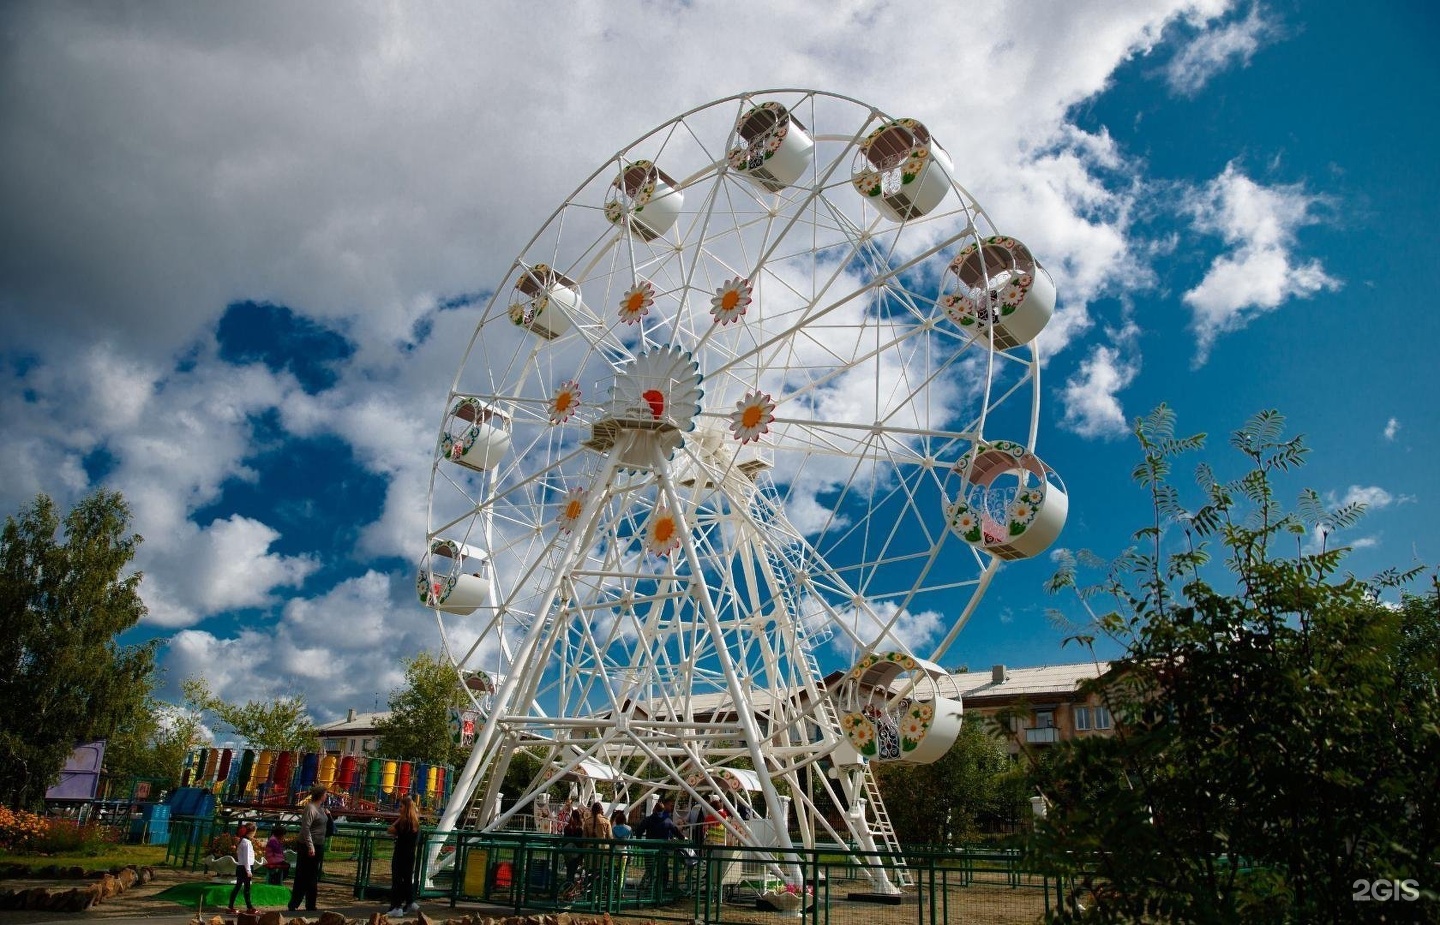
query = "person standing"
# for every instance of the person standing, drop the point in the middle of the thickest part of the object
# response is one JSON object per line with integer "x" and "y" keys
{"x": 314, "y": 823}
{"x": 244, "y": 860}
{"x": 597, "y": 824}
{"x": 618, "y": 826}
{"x": 406, "y": 830}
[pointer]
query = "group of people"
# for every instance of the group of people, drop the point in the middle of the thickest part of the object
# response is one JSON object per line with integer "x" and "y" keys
{"x": 316, "y": 827}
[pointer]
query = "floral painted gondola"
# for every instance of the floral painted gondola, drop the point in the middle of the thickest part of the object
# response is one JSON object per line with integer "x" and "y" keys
{"x": 1013, "y": 506}
{"x": 774, "y": 149}
{"x": 454, "y": 578}
{"x": 644, "y": 199}
{"x": 901, "y": 170}
{"x": 896, "y": 707}
{"x": 997, "y": 289}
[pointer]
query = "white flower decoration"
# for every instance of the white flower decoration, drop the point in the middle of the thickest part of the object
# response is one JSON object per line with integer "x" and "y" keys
{"x": 565, "y": 401}
{"x": 662, "y": 533}
{"x": 731, "y": 300}
{"x": 752, "y": 417}
{"x": 635, "y": 303}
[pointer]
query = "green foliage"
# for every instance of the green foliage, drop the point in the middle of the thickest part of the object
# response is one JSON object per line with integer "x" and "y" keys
{"x": 1277, "y": 736}
{"x": 25, "y": 833}
{"x": 63, "y": 676}
{"x": 151, "y": 743}
{"x": 418, "y": 727}
{"x": 943, "y": 803}
{"x": 280, "y": 723}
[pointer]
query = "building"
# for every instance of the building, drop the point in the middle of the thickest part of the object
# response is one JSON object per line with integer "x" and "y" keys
{"x": 1053, "y": 707}
{"x": 354, "y": 735}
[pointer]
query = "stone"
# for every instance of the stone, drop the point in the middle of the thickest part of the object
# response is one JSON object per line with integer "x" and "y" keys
{"x": 422, "y": 919}
{"x": 216, "y": 920}
{"x": 127, "y": 878}
{"x": 273, "y": 917}
{"x": 378, "y": 918}
{"x": 331, "y": 917}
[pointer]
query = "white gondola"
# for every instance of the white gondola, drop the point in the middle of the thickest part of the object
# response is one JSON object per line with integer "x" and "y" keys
{"x": 901, "y": 170}
{"x": 998, "y": 284}
{"x": 454, "y": 578}
{"x": 900, "y": 708}
{"x": 775, "y": 149}
{"x": 476, "y": 435}
{"x": 543, "y": 301}
{"x": 1013, "y": 505}
{"x": 644, "y": 198}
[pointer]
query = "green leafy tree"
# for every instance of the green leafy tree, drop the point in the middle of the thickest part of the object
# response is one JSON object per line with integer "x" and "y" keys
{"x": 418, "y": 727}
{"x": 64, "y": 677}
{"x": 1276, "y": 736}
{"x": 151, "y": 744}
{"x": 942, "y": 803}
{"x": 280, "y": 723}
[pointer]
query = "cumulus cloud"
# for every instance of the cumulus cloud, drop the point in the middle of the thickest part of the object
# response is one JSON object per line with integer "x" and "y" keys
{"x": 1091, "y": 398}
{"x": 1392, "y": 428}
{"x": 364, "y": 167}
{"x": 1216, "y": 48}
{"x": 1261, "y": 270}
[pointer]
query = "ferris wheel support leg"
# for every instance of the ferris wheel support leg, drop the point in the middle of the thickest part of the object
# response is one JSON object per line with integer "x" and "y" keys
{"x": 860, "y": 828}
{"x": 738, "y": 689}
{"x": 485, "y": 739}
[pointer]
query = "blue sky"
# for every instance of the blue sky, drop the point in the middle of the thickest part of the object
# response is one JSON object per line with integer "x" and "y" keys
{"x": 244, "y": 247}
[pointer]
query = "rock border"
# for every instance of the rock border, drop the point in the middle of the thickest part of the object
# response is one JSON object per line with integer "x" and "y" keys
{"x": 76, "y": 899}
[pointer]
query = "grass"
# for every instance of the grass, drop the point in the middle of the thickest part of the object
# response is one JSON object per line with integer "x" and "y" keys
{"x": 114, "y": 856}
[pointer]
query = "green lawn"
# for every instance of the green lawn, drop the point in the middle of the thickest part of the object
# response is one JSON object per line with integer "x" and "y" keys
{"x": 115, "y": 856}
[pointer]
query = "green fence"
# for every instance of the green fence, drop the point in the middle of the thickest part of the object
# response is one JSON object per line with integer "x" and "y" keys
{"x": 529, "y": 873}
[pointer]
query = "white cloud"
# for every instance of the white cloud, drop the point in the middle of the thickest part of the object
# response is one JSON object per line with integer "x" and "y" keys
{"x": 1259, "y": 223}
{"x": 359, "y": 164}
{"x": 1392, "y": 427}
{"x": 1372, "y": 496}
{"x": 1216, "y": 48}
{"x": 1091, "y": 397}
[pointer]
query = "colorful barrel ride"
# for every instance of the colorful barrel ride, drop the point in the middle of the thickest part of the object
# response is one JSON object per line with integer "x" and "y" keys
{"x": 402, "y": 778}
{"x": 374, "y": 770}
{"x": 222, "y": 771}
{"x": 247, "y": 772}
{"x": 264, "y": 766}
{"x": 418, "y": 780}
{"x": 207, "y": 767}
{"x": 309, "y": 768}
{"x": 326, "y": 775}
{"x": 432, "y": 778}
{"x": 387, "y": 777}
{"x": 345, "y": 779}
{"x": 284, "y": 767}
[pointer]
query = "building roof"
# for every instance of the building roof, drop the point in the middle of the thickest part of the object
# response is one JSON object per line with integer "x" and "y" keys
{"x": 1054, "y": 680}
{"x": 354, "y": 724}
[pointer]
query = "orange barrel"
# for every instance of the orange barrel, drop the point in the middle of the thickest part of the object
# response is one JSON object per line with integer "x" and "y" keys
{"x": 402, "y": 779}
{"x": 387, "y": 777}
{"x": 327, "y": 771}
{"x": 347, "y": 773}
{"x": 440, "y": 793}
{"x": 222, "y": 773}
{"x": 264, "y": 764}
{"x": 207, "y": 767}
{"x": 284, "y": 763}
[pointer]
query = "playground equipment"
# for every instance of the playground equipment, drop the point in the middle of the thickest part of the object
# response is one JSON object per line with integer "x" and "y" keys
{"x": 749, "y": 391}
{"x": 283, "y": 778}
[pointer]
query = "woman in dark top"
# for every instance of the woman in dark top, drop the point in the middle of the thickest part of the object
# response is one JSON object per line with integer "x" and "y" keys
{"x": 406, "y": 830}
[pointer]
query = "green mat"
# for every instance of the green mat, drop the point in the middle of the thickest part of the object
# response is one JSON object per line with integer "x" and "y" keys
{"x": 216, "y": 895}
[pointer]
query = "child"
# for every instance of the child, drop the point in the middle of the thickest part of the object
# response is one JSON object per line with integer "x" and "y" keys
{"x": 244, "y": 859}
{"x": 275, "y": 861}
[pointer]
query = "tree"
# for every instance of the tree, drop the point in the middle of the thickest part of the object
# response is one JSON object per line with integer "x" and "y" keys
{"x": 942, "y": 803}
{"x": 1277, "y": 739}
{"x": 418, "y": 727}
{"x": 151, "y": 743}
{"x": 64, "y": 677}
{"x": 280, "y": 723}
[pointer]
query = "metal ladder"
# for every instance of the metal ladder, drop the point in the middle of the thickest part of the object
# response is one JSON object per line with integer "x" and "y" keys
{"x": 884, "y": 831}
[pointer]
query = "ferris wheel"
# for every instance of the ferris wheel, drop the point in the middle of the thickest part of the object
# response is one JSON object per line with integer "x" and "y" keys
{"x": 761, "y": 395}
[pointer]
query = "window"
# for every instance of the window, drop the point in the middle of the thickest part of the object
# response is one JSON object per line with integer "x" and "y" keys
{"x": 1082, "y": 718}
{"x": 1044, "y": 719}
{"x": 1102, "y": 718}
{"x": 351, "y": 748}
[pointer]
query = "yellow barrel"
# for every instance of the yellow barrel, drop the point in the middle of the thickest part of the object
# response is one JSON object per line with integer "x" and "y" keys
{"x": 387, "y": 777}
{"x": 327, "y": 771}
{"x": 431, "y": 782}
{"x": 263, "y": 763}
